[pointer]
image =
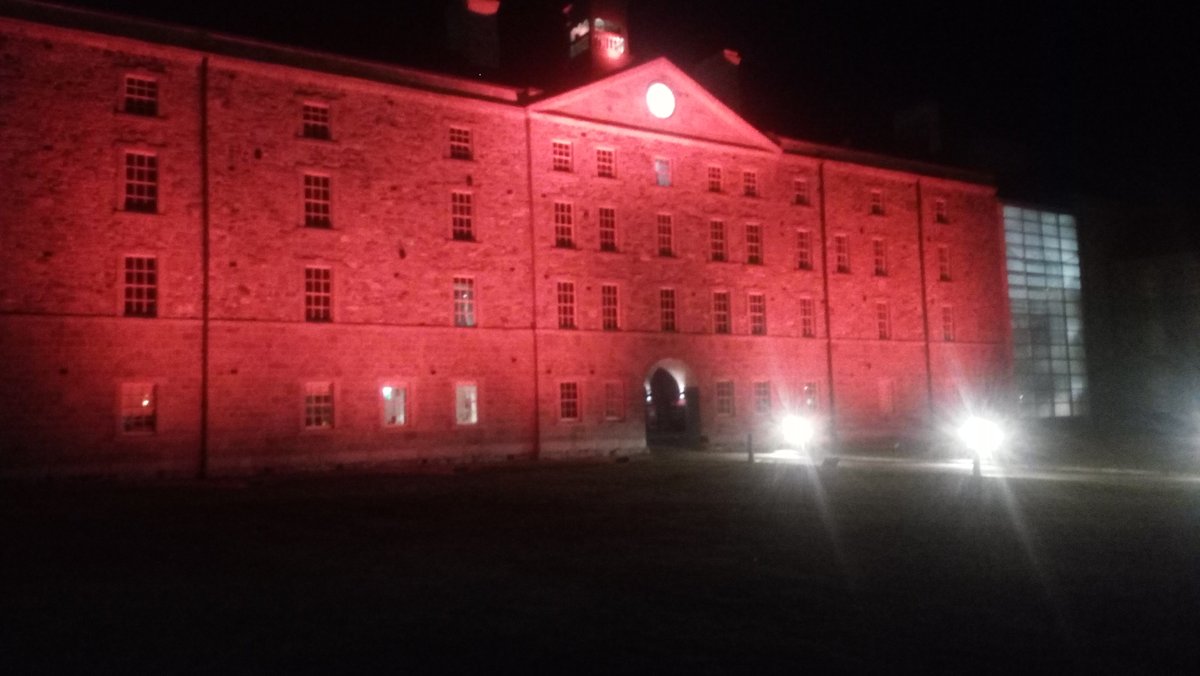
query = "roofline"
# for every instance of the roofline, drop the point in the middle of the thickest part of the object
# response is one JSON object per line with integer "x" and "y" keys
{"x": 793, "y": 146}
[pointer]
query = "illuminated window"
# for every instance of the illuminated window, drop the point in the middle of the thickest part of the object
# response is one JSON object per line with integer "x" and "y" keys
{"x": 804, "y": 254}
{"x": 394, "y": 401}
{"x": 466, "y": 404}
{"x": 809, "y": 396}
{"x": 943, "y": 253}
{"x": 881, "y": 264}
{"x": 318, "y": 405}
{"x": 876, "y": 203}
{"x": 800, "y": 192}
{"x": 568, "y": 401}
{"x": 608, "y": 228}
{"x": 762, "y": 397}
{"x": 939, "y": 212}
{"x": 666, "y": 235}
{"x": 606, "y": 163}
{"x": 666, "y": 309}
{"x": 317, "y": 201}
{"x": 947, "y": 323}
{"x": 883, "y": 320}
{"x": 141, "y": 286}
{"x": 614, "y": 401}
{"x": 714, "y": 179}
{"x": 560, "y": 152}
{"x": 750, "y": 183}
{"x": 841, "y": 250}
{"x": 464, "y": 301}
{"x": 808, "y": 318}
{"x": 662, "y": 172}
{"x": 758, "y": 314}
{"x": 725, "y": 398}
{"x": 610, "y": 307}
{"x": 318, "y": 294}
{"x": 721, "y": 312}
{"x": 462, "y": 222}
{"x": 141, "y": 182}
{"x": 754, "y": 244}
{"x": 564, "y": 225}
{"x": 139, "y": 408}
{"x": 315, "y": 121}
{"x": 141, "y": 96}
{"x": 718, "y": 248}
{"x": 461, "y": 147}
{"x": 565, "y": 293}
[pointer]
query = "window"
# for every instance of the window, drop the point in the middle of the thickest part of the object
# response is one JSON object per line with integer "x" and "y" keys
{"x": 750, "y": 183}
{"x": 939, "y": 212}
{"x": 943, "y": 253}
{"x": 606, "y": 163}
{"x": 758, "y": 314}
{"x": 948, "y": 323}
{"x": 754, "y": 244}
{"x": 808, "y": 318}
{"x": 876, "y": 203}
{"x": 315, "y": 121}
{"x": 883, "y": 320}
{"x": 714, "y": 179}
{"x": 762, "y": 397}
{"x": 141, "y": 286}
{"x": 564, "y": 225}
{"x": 662, "y": 172}
{"x": 725, "y": 398}
{"x": 804, "y": 257}
{"x": 666, "y": 309}
{"x": 139, "y": 408}
{"x": 610, "y": 307}
{"x": 317, "y": 202}
{"x": 141, "y": 96}
{"x": 318, "y": 294}
{"x": 716, "y": 238}
{"x": 614, "y": 401}
{"x": 141, "y": 182}
{"x": 394, "y": 399}
{"x": 568, "y": 401}
{"x": 462, "y": 226}
{"x": 721, "y": 312}
{"x": 800, "y": 192}
{"x": 666, "y": 235}
{"x": 466, "y": 404}
{"x": 318, "y": 406}
{"x": 809, "y": 397}
{"x": 464, "y": 301}
{"x": 560, "y": 153}
{"x": 461, "y": 147}
{"x": 565, "y": 294}
{"x": 881, "y": 266}
{"x": 608, "y": 229}
{"x": 841, "y": 250}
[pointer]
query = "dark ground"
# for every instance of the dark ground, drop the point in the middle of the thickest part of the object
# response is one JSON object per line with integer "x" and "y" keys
{"x": 674, "y": 563}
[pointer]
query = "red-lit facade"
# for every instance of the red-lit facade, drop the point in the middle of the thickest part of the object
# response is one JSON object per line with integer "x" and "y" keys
{"x": 233, "y": 255}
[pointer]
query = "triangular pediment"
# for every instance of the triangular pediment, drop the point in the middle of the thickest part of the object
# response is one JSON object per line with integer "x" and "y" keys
{"x": 620, "y": 100}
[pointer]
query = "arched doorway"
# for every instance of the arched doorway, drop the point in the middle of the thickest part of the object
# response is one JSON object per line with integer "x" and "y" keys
{"x": 672, "y": 405}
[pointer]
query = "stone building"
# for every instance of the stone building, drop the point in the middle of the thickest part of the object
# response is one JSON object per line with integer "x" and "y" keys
{"x": 227, "y": 255}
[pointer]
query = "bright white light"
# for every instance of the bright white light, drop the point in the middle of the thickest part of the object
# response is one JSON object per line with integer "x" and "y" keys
{"x": 145, "y": 402}
{"x": 386, "y": 391}
{"x": 660, "y": 100}
{"x": 796, "y": 431}
{"x": 981, "y": 435}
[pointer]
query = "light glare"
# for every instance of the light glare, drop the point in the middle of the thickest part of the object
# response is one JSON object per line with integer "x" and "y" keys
{"x": 797, "y": 431}
{"x": 981, "y": 435}
{"x": 660, "y": 100}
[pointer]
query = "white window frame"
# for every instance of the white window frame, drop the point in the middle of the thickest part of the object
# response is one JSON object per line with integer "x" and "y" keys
{"x": 662, "y": 172}
{"x": 318, "y": 200}
{"x": 570, "y": 401}
{"x": 464, "y": 297}
{"x": 317, "y": 415}
{"x": 466, "y": 403}
{"x": 391, "y": 391}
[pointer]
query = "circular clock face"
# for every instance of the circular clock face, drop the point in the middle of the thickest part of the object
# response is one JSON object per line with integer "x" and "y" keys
{"x": 660, "y": 100}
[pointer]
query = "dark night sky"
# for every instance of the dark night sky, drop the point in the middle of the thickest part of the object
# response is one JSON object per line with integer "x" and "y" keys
{"x": 1056, "y": 98}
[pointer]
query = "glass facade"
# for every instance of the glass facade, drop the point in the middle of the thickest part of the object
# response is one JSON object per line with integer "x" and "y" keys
{"x": 1047, "y": 312}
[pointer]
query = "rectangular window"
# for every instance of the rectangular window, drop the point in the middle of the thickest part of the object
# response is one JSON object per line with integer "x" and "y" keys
{"x": 314, "y": 119}
{"x": 139, "y": 408}
{"x": 318, "y": 202}
{"x": 608, "y": 229}
{"x": 614, "y": 401}
{"x": 606, "y": 163}
{"x": 721, "y": 312}
{"x": 560, "y": 152}
{"x": 141, "y": 182}
{"x": 943, "y": 263}
{"x": 666, "y": 309}
{"x": 948, "y": 323}
{"x": 141, "y": 96}
{"x": 750, "y": 183}
{"x": 564, "y": 225}
{"x": 939, "y": 212}
{"x": 141, "y": 286}
{"x": 565, "y": 294}
{"x": 725, "y": 398}
{"x": 318, "y": 294}
{"x": 758, "y": 314}
{"x": 662, "y": 172}
{"x": 466, "y": 404}
{"x": 714, "y": 179}
{"x": 808, "y": 395}
{"x": 800, "y": 192}
{"x": 883, "y": 320}
{"x": 610, "y": 307}
{"x": 568, "y": 401}
{"x": 808, "y": 318}
{"x": 666, "y": 235}
{"x": 841, "y": 250}
{"x": 881, "y": 265}
{"x": 462, "y": 222}
{"x": 461, "y": 147}
{"x": 394, "y": 402}
{"x": 876, "y": 203}
{"x": 716, "y": 237}
{"x": 804, "y": 257}
{"x": 464, "y": 301}
{"x": 318, "y": 406}
{"x": 762, "y": 397}
{"x": 754, "y": 244}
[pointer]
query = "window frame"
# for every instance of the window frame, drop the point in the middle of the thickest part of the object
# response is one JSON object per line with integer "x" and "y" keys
{"x": 606, "y": 168}
{"x": 311, "y": 126}
{"x": 876, "y": 204}
{"x": 883, "y": 320}
{"x": 312, "y": 412}
{"x": 462, "y": 216}
{"x": 134, "y": 103}
{"x": 396, "y": 385}
{"x": 562, "y": 156}
{"x": 610, "y": 313}
{"x": 750, "y": 183}
{"x": 564, "y": 225}
{"x": 152, "y": 298}
{"x": 755, "y": 254}
{"x": 722, "y": 317}
{"x": 315, "y": 311}
{"x": 808, "y": 317}
{"x": 575, "y": 401}
{"x": 721, "y": 398}
{"x": 756, "y": 312}
{"x": 664, "y": 229}
{"x": 804, "y": 249}
{"x": 565, "y": 304}
{"x": 141, "y": 194}
{"x": 800, "y": 192}
{"x": 461, "y": 387}
{"x": 317, "y": 192}
{"x": 461, "y": 143}
{"x": 880, "y": 255}
{"x": 143, "y": 425}
{"x": 606, "y": 227}
{"x": 763, "y": 397}
{"x": 668, "y": 310}
{"x": 716, "y": 179}
{"x": 465, "y": 311}
{"x": 662, "y": 172}
{"x": 841, "y": 253}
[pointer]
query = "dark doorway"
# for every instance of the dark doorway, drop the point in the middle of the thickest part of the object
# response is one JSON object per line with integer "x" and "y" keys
{"x": 671, "y": 412}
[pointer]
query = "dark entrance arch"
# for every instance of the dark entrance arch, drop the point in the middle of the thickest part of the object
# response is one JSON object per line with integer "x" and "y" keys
{"x": 672, "y": 410}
